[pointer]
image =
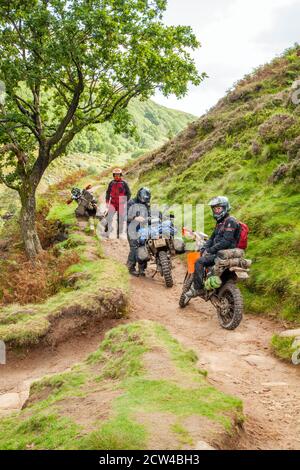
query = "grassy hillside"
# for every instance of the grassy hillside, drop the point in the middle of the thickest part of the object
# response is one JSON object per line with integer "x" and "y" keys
{"x": 155, "y": 124}
{"x": 248, "y": 148}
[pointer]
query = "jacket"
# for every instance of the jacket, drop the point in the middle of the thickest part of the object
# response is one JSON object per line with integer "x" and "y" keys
{"x": 224, "y": 236}
{"x": 115, "y": 190}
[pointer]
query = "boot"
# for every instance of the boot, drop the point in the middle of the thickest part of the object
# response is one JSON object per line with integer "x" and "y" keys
{"x": 133, "y": 271}
{"x": 193, "y": 292}
{"x": 142, "y": 269}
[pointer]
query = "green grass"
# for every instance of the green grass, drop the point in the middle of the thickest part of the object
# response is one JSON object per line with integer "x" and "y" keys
{"x": 184, "y": 358}
{"x": 120, "y": 361}
{"x": 183, "y": 436}
{"x": 45, "y": 431}
{"x": 229, "y": 166}
{"x": 63, "y": 212}
{"x": 121, "y": 433}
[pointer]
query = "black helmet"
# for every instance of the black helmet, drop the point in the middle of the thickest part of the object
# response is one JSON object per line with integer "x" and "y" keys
{"x": 76, "y": 193}
{"x": 144, "y": 195}
{"x": 220, "y": 201}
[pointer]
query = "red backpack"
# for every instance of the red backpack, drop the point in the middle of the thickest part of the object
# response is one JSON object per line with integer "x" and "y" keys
{"x": 242, "y": 242}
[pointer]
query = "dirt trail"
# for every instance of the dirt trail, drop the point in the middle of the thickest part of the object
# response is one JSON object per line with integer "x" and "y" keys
{"x": 21, "y": 370}
{"x": 238, "y": 362}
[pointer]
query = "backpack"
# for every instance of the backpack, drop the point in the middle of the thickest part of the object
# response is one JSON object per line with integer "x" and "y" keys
{"x": 242, "y": 239}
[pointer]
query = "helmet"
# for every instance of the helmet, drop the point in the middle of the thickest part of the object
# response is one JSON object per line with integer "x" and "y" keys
{"x": 144, "y": 195}
{"x": 117, "y": 173}
{"x": 220, "y": 201}
{"x": 76, "y": 193}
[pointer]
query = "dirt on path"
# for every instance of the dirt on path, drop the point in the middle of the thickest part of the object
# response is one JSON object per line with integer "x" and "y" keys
{"x": 238, "y": 362}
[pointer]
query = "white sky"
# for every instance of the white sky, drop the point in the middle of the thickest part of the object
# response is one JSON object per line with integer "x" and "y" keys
{"x": 236, "y": 36}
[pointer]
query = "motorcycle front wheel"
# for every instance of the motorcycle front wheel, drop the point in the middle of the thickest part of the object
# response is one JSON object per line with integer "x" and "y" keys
{"x": 230, "y": 308}
{"x": 188, "y": 281}
{"x": 166, "y": 268}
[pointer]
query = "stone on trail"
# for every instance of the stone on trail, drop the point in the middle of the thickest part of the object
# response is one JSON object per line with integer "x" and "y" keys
{"x": 201, "y": 445}
{"x": 274, "y": 384}
{"x": 9, "y": 401}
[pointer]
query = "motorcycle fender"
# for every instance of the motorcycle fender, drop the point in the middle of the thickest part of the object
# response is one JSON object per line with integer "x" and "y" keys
{"x": 161, "y": 242}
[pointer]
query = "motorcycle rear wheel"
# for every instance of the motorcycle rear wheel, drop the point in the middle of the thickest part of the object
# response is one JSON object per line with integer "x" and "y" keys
{"x": 230, "y": 312}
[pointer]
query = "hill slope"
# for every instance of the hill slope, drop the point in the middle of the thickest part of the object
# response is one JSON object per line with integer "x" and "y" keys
{"x": 248, "y": 148}
{"x": 155, "y": 124}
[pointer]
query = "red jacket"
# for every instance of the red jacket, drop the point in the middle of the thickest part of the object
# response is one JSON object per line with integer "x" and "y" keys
{"x": 115, "y": 190}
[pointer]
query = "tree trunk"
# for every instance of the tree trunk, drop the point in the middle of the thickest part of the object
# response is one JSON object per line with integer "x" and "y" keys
{"x": 30, "y": 237}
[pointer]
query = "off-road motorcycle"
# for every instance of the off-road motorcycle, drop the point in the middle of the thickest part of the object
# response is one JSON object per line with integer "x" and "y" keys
{"x": 86, "y": 203}
{"x": 158, "y": 244}
{"x": 220, "y": 283}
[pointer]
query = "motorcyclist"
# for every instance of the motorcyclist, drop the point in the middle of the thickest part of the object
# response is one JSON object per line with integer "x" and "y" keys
{"x": 139, "y": 212}
{"x": 224, "y": 236}
{"x": 117, "y": 196}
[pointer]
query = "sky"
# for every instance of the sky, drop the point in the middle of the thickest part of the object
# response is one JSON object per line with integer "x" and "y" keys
{"x": 236, "y": 36}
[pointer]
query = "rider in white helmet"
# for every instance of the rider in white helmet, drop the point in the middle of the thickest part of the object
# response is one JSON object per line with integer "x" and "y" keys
{"x": 224, "y": 236}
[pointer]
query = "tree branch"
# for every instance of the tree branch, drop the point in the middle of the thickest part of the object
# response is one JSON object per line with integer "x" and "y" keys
{"x": 21, "y": 156}
{"x": 68, "y": 137}
{"x": 19, "y": 124}
{"x": 71, "y": 111}
{"x": 9, "y": 185}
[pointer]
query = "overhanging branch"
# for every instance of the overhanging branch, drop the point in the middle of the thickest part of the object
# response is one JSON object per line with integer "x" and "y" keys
{"x": 71, "y": 111}
{"x": 9, "y": 185}
{"x": 21, "y": 156}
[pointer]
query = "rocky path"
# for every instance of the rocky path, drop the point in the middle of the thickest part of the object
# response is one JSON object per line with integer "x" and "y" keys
{"x": 238, "y": 362}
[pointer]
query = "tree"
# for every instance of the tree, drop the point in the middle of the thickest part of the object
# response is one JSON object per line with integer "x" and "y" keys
{"x": 69, "y": 64}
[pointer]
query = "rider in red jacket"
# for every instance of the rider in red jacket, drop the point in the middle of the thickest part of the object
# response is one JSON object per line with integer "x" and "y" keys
{"x": 117, "y": 196}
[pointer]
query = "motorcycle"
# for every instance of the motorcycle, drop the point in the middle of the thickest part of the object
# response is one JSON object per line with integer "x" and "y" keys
{"x": 158, "y": 244}
{"x": 220, "y": 283}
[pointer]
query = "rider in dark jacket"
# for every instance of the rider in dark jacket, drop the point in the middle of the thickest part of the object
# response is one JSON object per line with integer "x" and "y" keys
{"x": 139, "y": 211}
{"x": 224, "y": 237}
